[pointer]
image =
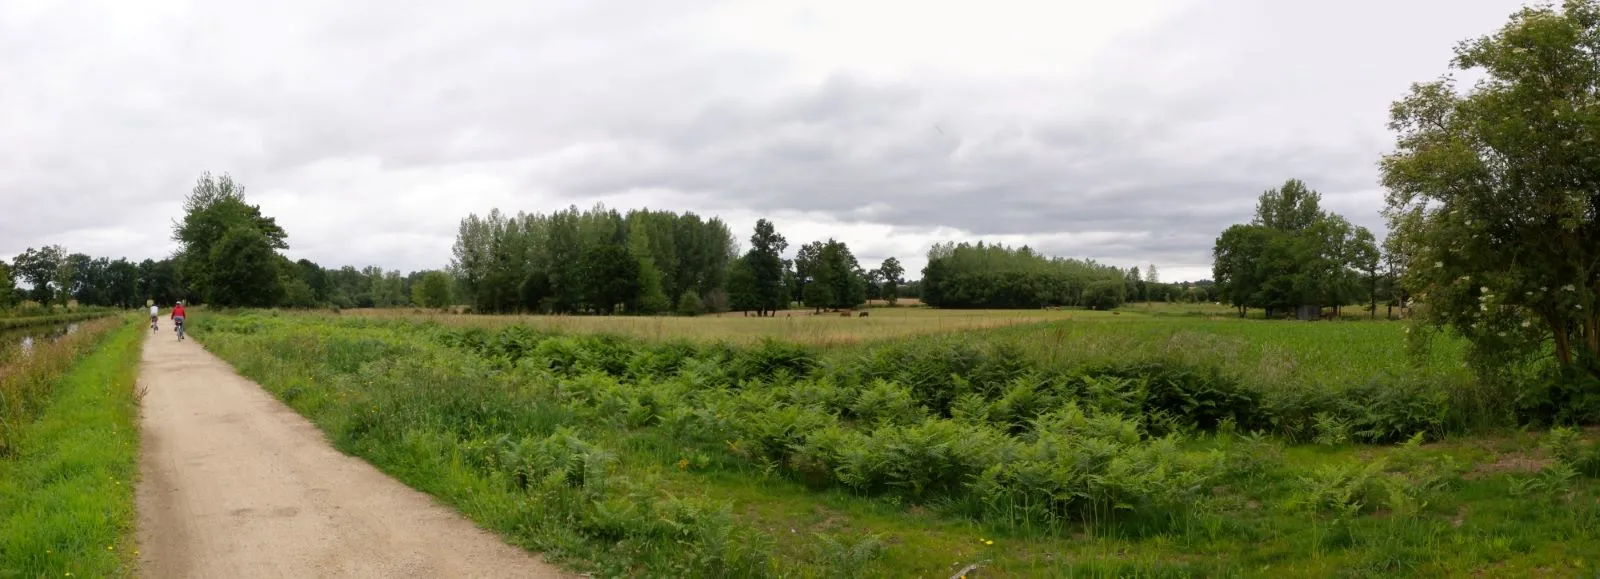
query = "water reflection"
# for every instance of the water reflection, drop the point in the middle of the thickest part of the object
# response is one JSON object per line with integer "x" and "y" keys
{"x": 20, "y": 341}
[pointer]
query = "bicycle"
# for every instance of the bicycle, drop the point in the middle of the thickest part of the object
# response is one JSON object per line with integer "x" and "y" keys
{"x": 178, "y": 327}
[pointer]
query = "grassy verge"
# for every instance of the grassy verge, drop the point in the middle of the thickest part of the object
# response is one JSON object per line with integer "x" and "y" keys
{"x": 914, "y": 460}
{"x": 66, "y": 495}
{"x": 29, "y": 382}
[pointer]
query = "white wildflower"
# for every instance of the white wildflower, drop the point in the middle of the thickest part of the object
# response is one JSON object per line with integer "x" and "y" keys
{"x": 1568, "y": 287}
{"x": 1502, "y": 334}
{"x": 1484, "y": 289}
{"x": 1438, "y": 264}
{"x": 1526, "y": 323}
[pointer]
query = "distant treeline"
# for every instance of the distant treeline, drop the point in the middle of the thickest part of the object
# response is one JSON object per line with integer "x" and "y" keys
{"x": 570, "y": 261}
{"x": 646, "y": 261}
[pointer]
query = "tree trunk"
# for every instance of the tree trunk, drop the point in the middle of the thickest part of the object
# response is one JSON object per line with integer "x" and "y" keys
{"x": 1374, "y": 307}
{"x": 1592, "y": 335}
{"x": 1563, "y": 341}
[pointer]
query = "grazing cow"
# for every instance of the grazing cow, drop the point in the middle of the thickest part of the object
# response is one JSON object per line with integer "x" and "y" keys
{"x": 1327, "y": 316}
{"x": 862, "y": 315}
{"x": 844, "y": 314}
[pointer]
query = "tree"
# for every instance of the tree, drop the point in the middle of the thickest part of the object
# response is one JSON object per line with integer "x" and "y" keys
{"x": 1494, "y": 196}
{"x": 995, "y": 276}
{"x": 1105, "y": 294}
{"x": 690, "y": 305}
{"x": 40, "y": 268}
{"x": 610, "y": 277}
{"x": 1291, "y": 254}
{"x": 892, "y": 275}
{"x": 849, "y": 281}
{"x": 743, "y": 293}
{"x": 243, "y": 269}
{"x": 765, "y": 261}
{"x": 214, "y": 210}
{"x": 8, "y": 287}
{"x": 122, "y": 284}
{"x": 1150, "y": 275}
{"x": 432, "y": 291}
{"x": 1365, "y": 257}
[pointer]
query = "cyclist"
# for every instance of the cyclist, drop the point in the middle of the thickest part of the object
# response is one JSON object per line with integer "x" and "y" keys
{"x": 155, "y": 317}
{"x": 177, "y": 318}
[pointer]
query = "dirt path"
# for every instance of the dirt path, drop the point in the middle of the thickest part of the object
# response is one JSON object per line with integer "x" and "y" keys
{"x": 235, "y": 484}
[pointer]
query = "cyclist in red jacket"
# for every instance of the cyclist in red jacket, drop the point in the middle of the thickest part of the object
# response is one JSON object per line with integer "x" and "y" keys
{"x": 177, "y": 318}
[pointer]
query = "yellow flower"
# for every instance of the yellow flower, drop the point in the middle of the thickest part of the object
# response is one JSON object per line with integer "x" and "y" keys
{"x": 988, "y": 542}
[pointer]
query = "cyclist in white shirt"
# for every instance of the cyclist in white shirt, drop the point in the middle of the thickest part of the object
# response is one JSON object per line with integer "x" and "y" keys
{"x": 155, "y": 314}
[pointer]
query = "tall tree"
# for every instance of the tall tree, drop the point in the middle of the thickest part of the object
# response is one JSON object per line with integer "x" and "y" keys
{"x": 40, "y": 268}
{"x": 892, "y": 275}
{"x": 765, "y": 261}
{"x": 610, "y": 277}
{"x": 215, "y": 209}
{"x": 1495, "y": 195}
{"x": 1291, "y": 254}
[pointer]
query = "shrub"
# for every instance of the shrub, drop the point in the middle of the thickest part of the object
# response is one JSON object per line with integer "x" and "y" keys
{"x": 690, "y": 305}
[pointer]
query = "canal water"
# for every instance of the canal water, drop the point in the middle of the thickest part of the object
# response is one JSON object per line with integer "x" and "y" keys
{"x": 17, "y": 342}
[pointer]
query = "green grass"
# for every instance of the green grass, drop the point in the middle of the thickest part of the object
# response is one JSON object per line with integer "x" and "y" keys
{"x": 66, "y": 497}
{"x": 683, "y": 458}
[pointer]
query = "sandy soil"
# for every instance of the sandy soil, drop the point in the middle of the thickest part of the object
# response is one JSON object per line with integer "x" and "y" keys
{"x": 235, "y": 484}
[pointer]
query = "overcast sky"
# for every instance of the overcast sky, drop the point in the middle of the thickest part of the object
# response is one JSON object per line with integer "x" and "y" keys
{"x": 1129, "y": 132}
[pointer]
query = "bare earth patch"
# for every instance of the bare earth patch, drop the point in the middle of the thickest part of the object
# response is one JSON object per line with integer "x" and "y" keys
{"x": 1511, "y": 462}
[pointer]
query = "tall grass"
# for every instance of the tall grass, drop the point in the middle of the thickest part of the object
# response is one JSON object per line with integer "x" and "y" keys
{"x": 66, "y": 490}
{"x": 799, "y": 326}
{"x": 624, "y": 457}
{"x": 28, "y": 382}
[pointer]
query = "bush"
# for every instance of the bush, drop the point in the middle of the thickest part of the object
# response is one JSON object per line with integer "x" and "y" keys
{"x": 690, "y": 305}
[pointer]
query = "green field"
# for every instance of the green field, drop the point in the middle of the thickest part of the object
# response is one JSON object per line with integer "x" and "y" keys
{"x": 1094, "y": 445}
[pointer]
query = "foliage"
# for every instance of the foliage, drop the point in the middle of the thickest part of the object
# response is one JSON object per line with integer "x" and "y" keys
{"x": 38, "y": 268}
{"x": 1105, "y": 294}
{"x": 8, "y": 287}
{"x": 536, "y": 262}
{"x": 242, "y": 270}
{"x": 433, "y": 291}
{"x": 761, "y": 285}
{"x": 890, "y": 276}
{"x": 995, "y": 276}
{"x": 1492, "y": 198}
{"x": 219, "y": 226}
{"x": 610, "y": 277}
{"x": 690, "y": 305}
{"x": 1293, "y": 254}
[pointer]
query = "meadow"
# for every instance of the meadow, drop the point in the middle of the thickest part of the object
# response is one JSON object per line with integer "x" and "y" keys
{"x": 928, "y": 443}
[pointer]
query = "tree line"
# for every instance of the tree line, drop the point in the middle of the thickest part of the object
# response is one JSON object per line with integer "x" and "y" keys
{"x": 995, "y": 276}
{"x": 228, "y": 256}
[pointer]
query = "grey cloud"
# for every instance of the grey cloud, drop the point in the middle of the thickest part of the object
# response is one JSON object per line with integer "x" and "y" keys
{"x": 1167, "y": 134}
